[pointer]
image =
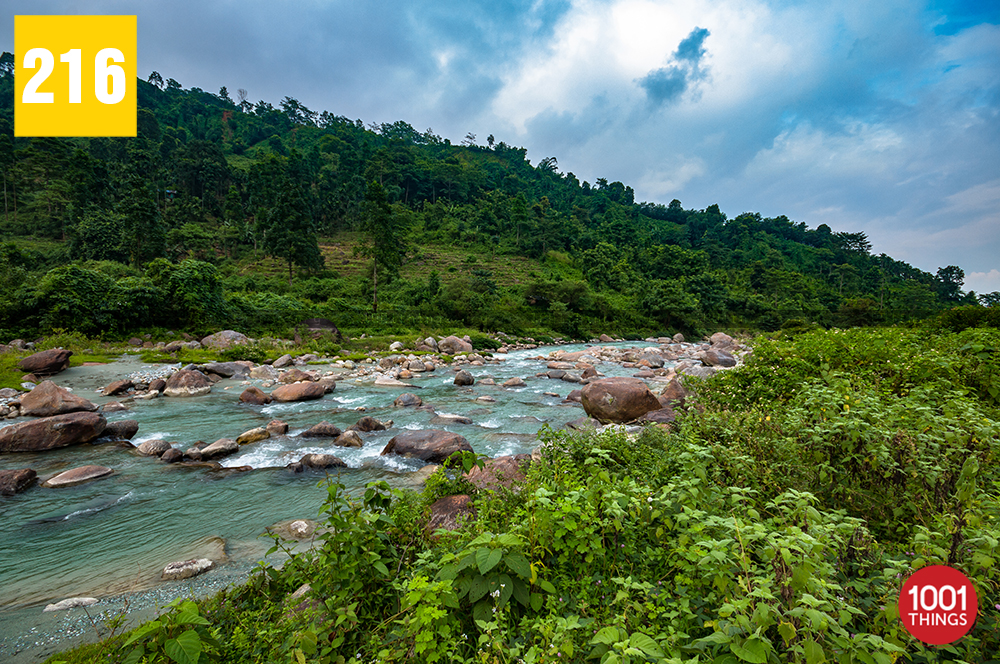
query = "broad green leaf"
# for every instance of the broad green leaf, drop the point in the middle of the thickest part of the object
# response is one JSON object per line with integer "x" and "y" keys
{"x": 753, "y": 650}
{"x": 547, "y": 587}
{"x": 135, "y": 655}
{"x": 521, "y": 592}
{"x": 487, "y": 559}
{"x": 506, "y": 589}
{"x": 518, "y": 564}
{"x": 609, "y": 636}
{"x": 645, "y": 644}
{"x": 482, "y": 611}
{"x": 190, "y": 618}
{"x": 813, "y": 652}
{"x": 480, "y": 586}
{"x": 185, "y": 649}
{"x": 380, "y": 566}
{"x": 152, "y": 627}
{"x": 787, "y": 631}
{"x": 536, "y": 601}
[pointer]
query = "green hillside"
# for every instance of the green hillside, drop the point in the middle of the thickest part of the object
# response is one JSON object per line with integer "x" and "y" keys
{"x": 227, "y": 213}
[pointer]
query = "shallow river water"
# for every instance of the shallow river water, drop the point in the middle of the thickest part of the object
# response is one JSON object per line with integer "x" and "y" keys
{"x": 111, "y": 538}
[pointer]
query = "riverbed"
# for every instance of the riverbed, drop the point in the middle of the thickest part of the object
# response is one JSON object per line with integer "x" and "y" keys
{"x": 111, "y": 538}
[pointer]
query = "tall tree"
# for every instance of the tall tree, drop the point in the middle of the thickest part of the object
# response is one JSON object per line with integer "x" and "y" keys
{"x": 384, "y": 236}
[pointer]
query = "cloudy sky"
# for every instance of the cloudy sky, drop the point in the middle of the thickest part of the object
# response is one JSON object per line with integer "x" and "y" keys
{"x": 875, "y": 116}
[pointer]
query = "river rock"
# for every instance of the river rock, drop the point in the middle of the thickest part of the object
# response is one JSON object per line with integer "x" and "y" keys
{"x": 187, "y": 383}
{"x": 157, "y": 385}
{"x": 220, "y": 448}
{"x": 396, "y": 346}
{"x": 722, "y": 340}
{"x": 154, "y": 447}
{"x": 698, "y": 371}
{"x": 121, "y": 430}
{"x": 322, "y": 461}
{"x": 407, "y": 399}
{"x": 113, "y": 407}
{"x": 329, "y": 383}
{"x": 298, "y": 392}
{"x": 71, "y": 603}
{"x": 294, "y": 529}
{"x": 605, "y": 339}
{"x": 369, "y": 423}
{"x": 515, "y": 382}
{"x": 718, "y": 358}
{"x": 449, "y": 513}
{"x": 674, "y": 394}
{"x": 255, "y": 396}
{"x": 584, "y": 423}
{"x": 117, "y": 387}
{"x": 453, "y": 346}
{"x": 49, "y": 399}
{"x": 79, "y": 475}
{"x": 223, "y": 340}
{"x": 651, "y": 360}
{"x": 252, "y": 436}
{"x": 173, "y": 455}
{"x": 503, "y": 471}
{"x": 283, "y": 361}
{"x": 661, "y": 416}
{"x": 296, "y": 375}
{"x": 322, "y": 430}
{"x": 349, "y": 439}
{"x": 235, "y": 370}
{"x": 51, "y": 432}
{"x": 433, "y": 445}
{"x": 277, "y": 427}
{"x": 389, "y": 381}
{"x": 448, "y": 418}
{"x": 185, "y": 569}
{"x": 463, "y": 377}
{"x": 618, "y": 399}
{"x": 46, "y": 362}
{"x": 264, "y": 372}
{"x": 16, "y": 481}
{"x": 576, "y": 396}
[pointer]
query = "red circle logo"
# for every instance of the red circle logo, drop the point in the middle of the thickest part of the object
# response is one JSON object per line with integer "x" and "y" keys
{"x": 938, "y": 605}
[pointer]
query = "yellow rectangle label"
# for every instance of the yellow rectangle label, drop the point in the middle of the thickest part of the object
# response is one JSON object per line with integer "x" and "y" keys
{"x": 75, "y": 75}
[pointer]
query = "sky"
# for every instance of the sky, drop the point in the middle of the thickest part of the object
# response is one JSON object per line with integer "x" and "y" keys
{"x": 882, "y": 117}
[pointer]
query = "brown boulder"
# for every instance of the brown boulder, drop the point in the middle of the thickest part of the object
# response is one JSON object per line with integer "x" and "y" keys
{"x": 296, "y": 375}
{"x": 407, "y": 399}
{"x": 661, "y": 416}
{"x": 255, "y": 396}
{"x": 78, "y": 476}
{"x": 51, "y": 432}
{"x": 48, "y": 399}
{"x": 157, "y": 385}
{"x": 718, "y": 358}
{"x": 673, "y": 394}
{"x": 618, "y": 399}
{"x": 722, "y": 340}
{"x": 121, "y": 429}
{"x": 502, "y": 471}
{"x": 117, "y": 387}
{"x": 322, "y": 461}
{"x": 298, "y": 392}
{"x": 46, "y": 362}
{"x": 223, "y": 340}
{"x": 16, "y": 481}
{"x": 453, "y": 346}
{"x": 322, "y": 430}
{"x": 173, "y": 455}
{"x": 463, "y": 377}
{"x": 277, "y": 427}
{"x": 254, "y": 435}
{"x": 187, "y": 383}
{"x": 433, "y": 445}
{"x": 450, "y": 513}
{"x": 220, "y": 448}
{"x": 154, "y": 447}
{"x": 368, "y": 423}
{"x": 349, "y": 439}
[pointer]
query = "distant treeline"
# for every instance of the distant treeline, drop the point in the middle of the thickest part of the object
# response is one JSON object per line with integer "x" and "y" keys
{"x": 168, "y": 230}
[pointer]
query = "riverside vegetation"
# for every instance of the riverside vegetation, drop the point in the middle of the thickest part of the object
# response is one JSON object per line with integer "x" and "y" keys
{"x": 775, "y": 521}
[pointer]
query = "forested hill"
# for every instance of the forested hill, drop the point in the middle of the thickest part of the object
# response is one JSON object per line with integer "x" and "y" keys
{"x": 226, "y": 212}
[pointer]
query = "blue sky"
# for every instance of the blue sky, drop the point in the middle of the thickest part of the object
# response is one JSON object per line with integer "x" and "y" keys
{"x": 875, "y": 116}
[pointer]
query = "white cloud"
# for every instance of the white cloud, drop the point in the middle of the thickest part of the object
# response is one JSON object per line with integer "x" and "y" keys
{"x": 983, "y": 282}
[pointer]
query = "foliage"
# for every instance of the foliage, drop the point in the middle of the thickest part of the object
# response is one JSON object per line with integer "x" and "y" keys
{"x": 181, "y": 635}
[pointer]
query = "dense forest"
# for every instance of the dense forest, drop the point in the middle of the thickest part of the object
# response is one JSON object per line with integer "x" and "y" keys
{"x": 227, "y": 212}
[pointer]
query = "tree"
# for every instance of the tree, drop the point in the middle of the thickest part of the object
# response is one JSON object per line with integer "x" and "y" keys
{"x": 155, "y": 80}
{"x": 384, "y": 236}
{"x": 950, "y": 283}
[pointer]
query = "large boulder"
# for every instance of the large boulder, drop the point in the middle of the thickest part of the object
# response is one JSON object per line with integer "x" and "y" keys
{"x": 450, "y": 513}
{"x": 155, "y": 447}
{"x": 714, "y": 357}
{"x": 185, "y": 569}
{"x": 49, "y": 399}
{"x": 52, "y": 432}
{"x": 121, "y": 429}
{"x": 220, "y": 448}
{"x": 46, "y": 362}
{"x": 618, "y": 399}
{"x": 463, "y": 377}
{"x": 296, "y": 375}
{"x": 433, "y": 445}
{"x": 223, "y": 340}
{"x": 235, "y": 370}
{"x": 298, "y": 392}
{"x": 187, "y": 383}
{"x": 322, "y": 461}
{"x": 674, "y": 394}
{"x": 369, "y": 423}
{"x": 118, "y": 387}
{"x": 255, "y": 396}
{"x": 722, "y": 340}
{"x": 16, "y": 481}
{"x": 78, "y": 476}
{"x": 503, "y": 471}
{"x": 254, "y": 435}
{"x": 453, "y": 346}
{"x": 349, "y": 439}
{"x": 407, "y": 399}
{"x": 322, "y": 430}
